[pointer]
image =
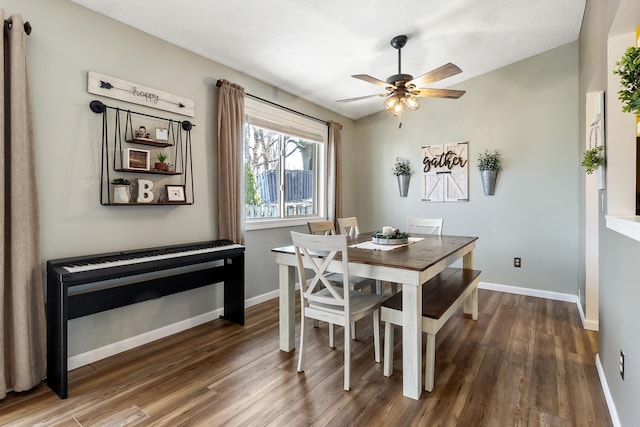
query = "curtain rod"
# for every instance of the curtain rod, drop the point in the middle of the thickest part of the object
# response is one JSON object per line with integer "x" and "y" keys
{"x": 27, "y": 26}
{"x": 219, "y": 83}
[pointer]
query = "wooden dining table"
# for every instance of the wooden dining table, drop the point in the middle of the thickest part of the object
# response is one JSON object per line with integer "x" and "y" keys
{"x": 411, "y": 265}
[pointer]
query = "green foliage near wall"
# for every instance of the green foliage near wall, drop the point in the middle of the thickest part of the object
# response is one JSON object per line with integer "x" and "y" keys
{"x": 628, "y": 68}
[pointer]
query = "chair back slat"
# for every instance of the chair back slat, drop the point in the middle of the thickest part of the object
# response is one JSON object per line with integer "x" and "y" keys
{"x": 425, "y": 225}
{"x": 321, "y": 227}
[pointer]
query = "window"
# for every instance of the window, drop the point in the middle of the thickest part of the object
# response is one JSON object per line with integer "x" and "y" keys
{"x": 285, "y": 167}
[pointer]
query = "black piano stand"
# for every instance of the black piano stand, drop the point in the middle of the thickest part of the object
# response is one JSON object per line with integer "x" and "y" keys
{"x": 61, "y": 307}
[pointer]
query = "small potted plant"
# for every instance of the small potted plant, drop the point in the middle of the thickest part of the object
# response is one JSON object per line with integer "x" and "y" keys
{"x": 160, "y": 164}
{"x": 628, "y": 68}
{"x": 489, "y": 165}
{"x": 402, "y": 170}
{"x": 121, "y": 190}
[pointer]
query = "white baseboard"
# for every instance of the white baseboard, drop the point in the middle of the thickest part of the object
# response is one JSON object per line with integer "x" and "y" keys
{"x": 587, "y": 324}
{"x": 528, "y": 292}
{"x": 94, "y": 355}
{"x": 613, "y": 412}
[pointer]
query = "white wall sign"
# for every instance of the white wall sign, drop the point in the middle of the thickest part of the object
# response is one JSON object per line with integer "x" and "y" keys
{"x": 112, "y": 87}
{"x": 446, "y": 172}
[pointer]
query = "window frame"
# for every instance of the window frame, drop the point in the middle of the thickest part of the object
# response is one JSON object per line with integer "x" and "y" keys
{"x": 279, "y": 116}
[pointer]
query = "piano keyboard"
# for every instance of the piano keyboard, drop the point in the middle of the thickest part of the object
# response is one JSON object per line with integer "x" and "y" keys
{"x": 129, "y": 259}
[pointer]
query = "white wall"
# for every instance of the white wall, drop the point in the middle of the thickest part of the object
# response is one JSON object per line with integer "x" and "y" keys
{"x": 529, "y": 112}
{"x": 69, "y": 40}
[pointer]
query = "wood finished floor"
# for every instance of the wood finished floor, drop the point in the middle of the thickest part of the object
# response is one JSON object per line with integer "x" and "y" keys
{"x": 525, "y": 362}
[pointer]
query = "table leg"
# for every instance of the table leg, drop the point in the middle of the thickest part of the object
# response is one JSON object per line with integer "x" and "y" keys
{"x": 412, "y": 341}
{"x": 287, "y": 307}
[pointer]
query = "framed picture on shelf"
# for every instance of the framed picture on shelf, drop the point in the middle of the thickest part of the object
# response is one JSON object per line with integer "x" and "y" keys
{"x": 136, "y": 159}
{"x": 162, "y": 134}
{"x": 175, "y": 193}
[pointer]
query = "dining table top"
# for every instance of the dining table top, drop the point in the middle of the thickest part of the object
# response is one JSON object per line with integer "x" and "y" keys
{"x": 417, "y": 255}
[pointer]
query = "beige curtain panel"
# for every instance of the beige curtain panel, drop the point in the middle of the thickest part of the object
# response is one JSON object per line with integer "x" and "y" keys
{"x": 230, "y": 176}
{"x": 22, "y": 316}
{"x": 335, "y": 173}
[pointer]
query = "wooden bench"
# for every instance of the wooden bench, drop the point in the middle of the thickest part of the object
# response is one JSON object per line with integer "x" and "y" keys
{"x": 441, "y": 297}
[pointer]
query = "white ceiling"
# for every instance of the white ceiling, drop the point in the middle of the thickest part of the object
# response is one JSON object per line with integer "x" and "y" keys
{"x": 310, "y": 48}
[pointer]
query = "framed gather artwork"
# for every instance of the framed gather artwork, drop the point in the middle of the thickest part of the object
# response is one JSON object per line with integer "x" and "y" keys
{"x": 445, "y": 171}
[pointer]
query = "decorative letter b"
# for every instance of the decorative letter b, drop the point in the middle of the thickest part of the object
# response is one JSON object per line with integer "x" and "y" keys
{"x": 145, "y": 195}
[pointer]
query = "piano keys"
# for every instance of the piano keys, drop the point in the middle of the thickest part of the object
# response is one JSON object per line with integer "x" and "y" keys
{"x": 181, "y": 267}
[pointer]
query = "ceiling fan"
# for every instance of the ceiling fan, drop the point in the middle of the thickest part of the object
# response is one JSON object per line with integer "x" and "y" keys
{"x": 403, "y": 90}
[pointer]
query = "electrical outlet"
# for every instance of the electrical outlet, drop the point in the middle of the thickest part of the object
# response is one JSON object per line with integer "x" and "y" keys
{"x": 622, "y": 365}
{"x": 516, "y": 262}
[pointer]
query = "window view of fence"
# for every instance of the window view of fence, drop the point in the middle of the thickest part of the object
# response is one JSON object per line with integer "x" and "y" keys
{"x": 279, "y": 166}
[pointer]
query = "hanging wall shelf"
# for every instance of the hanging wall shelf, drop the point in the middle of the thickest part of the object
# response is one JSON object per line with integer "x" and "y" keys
{"x": 167, "y": 139}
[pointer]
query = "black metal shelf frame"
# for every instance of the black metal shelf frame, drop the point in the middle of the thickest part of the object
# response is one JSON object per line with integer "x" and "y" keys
{"x": 179, "y": 146}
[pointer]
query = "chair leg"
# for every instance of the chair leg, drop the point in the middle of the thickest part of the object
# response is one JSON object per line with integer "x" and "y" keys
{"x": 388, "y": 349}
{"x": 347, "y": 359}
{"x": 379, "y": 288}
{"x": 430, "y": 364}
{"x": 316, "y": 323}
{"x": 376, "y": 335}
{"x": 332, "y": 344}
{"x": 301, "y": 354}
{"x": 394, "y": 288}
{"x": 353, "y": 330}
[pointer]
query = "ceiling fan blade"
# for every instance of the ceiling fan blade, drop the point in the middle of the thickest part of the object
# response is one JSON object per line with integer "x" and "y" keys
{"x": 440, "y": 73}
{"x": 369, "y": 79}
{"x": 361, "y": 97}
{"x": 438, "y": 93}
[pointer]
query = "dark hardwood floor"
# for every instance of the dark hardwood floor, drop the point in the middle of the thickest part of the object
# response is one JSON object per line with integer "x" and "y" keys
{"x": 525, "y": 362}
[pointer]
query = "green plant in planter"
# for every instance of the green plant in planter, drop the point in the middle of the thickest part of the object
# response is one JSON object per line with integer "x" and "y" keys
{"x": 628, "y": 68}
{"x": 120, "y": 181}
{"x": 401, "y": 167}
{"x": 161, "y": 156}
{"x": 593, "y": 159}
{"x": 489, "y": 161}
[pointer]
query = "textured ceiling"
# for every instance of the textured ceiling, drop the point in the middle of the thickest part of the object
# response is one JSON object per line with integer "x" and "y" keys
{"x": 311, "y": 48}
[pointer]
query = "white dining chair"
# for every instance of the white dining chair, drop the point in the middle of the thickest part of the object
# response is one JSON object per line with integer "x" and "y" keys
{"x": 321, "y": 299}
{"x": 425, "y": 225}
{"x": 349, "y": 226}
{"x": 327, "y": 228}
{"x": 324, "y": 227}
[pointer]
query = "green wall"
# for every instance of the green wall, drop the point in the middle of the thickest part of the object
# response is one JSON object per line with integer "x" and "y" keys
{"x": 528, "y": 111}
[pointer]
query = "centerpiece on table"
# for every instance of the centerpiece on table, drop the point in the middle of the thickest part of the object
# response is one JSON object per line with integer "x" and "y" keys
{"x": 389, "y": 236}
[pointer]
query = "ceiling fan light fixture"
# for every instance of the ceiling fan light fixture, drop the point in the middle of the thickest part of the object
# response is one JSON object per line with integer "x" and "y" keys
{"x": 397, "y": 109}
{"x": 412, "y": 102}
{"x": 391, "y": 102}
